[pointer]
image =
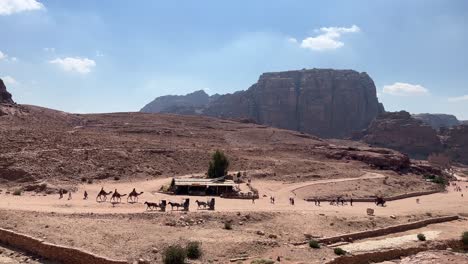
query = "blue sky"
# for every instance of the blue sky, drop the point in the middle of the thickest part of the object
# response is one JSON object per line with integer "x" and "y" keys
{"x": 106, "y": 56}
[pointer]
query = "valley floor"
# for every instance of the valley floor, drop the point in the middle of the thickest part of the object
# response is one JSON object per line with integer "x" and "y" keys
{"x": 260, "y": 229}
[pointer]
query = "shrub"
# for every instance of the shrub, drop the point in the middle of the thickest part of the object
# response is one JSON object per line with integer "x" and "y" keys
{"x": 17, "y": 192}
{"x": 83, "y": 179}
{"x": 464, "y": 238}
{"x": 174, "y": 254}
{"x": 314, "y": 244}
{"x": 219, "y": 165}
{"x": 90, "y": 181}
{"x": 262, "y": 261}
{"x": 339, "y": 251}
{"x": 194, "y": 250}
{"x": 421, "y": 237}
{"x": 116, "y": 178}
{"x": 227, "y": 225}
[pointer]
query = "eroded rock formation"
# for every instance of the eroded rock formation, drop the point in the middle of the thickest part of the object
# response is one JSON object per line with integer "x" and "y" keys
{"x": 438, "y": 121}
{"x": 399, "y": 131}
{"x": 324, "y": 102}
{"x": 5, "y": 96}
{"x": 327, "y": 103}
{"x": 456, "y": 143}
{"x": 179, "y": 104}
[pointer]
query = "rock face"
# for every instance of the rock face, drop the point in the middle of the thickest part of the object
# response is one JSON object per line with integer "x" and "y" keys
{"x": 181, "y": 104}
{"x": 328, "y": 103}
{"x": 438, "y": 121}
{"x": 456, "y": 143}
{"x": 324, "y": 102}
{"x": 5, "y": 96}
{"x": 399, "y": 131}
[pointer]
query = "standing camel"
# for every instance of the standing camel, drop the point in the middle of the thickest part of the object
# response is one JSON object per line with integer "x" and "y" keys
{"x": 133, "y": 196}
{"x": 102, "y": 195}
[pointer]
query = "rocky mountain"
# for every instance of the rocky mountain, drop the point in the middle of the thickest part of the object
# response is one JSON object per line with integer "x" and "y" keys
{"x": 400, "y": 131}
{"x": 437, "y": 121}
{"x": 455, "y": 141}
{"x": 324, "y": 102}
{"x": 5, "y": 96}
{"x": 179, "y": 103}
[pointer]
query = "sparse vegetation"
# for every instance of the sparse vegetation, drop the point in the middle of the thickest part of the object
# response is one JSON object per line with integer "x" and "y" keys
{"x": 174, "y": 254}
{"x": 90, "y": 181}
{"x": 436, "y": 179}
{"x": 194, "y": 250}
{"x": 116, "y": 178}
{"x": 262, "y": 261}
{"x": 464, "y": 238}
{"x": 314, "y": 244}
{"x": 219, "y": 165}
{"x": 83, "y": 179}
{"x": 17, "y": 192}
{"x": 339, "y": 251}
{"x": 421, "y": 237}
{"x": 227, "y": 225}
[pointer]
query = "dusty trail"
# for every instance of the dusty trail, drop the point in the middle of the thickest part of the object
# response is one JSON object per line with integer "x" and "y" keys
{"x": 450, "y": 202}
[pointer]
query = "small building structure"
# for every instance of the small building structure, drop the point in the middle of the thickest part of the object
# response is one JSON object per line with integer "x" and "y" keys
{"x": 203, "y": 186}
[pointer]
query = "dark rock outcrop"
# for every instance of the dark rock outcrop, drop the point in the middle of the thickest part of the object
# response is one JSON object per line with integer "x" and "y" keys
{"x": 180, "y": 104}
{"x": 455, "y": 142}
{"x": 5, "y": 96}
{"x": 399, "y": 131}
{"x": 438, "y": 121}
{"x": 324, "y": 102}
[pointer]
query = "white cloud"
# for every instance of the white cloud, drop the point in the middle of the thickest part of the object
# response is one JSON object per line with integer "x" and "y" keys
{"x": 405, "y": 89}
{"x": 8, "y": 7}
{"x": 49, "y": 49}
{"x": 3, "y": 55}
{"x": 77, "y": 64}
{"x": 459, "y": 98}
{"x": 14, "y": 59}
{"x": 9, "y": 80}
{"x": 99, "y": 54}
{"x": 292, "y": 40}
{"x": 329, "y": 39}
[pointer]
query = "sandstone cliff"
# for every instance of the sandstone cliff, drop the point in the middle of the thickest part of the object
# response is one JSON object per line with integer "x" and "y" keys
{"x": 438, "y": 121}
{"x": 323, "y": 102}
{"x": 179, "y": 104}
{"x": 5, "y": 96}
{"x": 328, "y": 103}
{"x": 455, "y": 141}
{"x": 401, "y": 132}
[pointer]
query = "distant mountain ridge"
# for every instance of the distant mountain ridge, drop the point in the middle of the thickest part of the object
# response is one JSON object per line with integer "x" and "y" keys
{"x": 438, "y": 121}
{"x": 170, "y": 103}
{"x": 324, "y": 102}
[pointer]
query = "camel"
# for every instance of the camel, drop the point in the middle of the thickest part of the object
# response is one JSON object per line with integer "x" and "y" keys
{"x": 117, "y": 197}
{"x": 177, "y": 205}
{"x": 199, "y": 203}
{"x": 102, "y": 195}
{"x": 133, "y": 196}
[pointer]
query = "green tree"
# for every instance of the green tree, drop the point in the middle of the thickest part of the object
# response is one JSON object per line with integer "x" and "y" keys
{"x": 219, "y": 165}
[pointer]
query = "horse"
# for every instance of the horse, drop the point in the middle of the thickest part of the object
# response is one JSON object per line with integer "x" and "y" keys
{"x": 199, "y": 203}
{"x": 177, "y": 205}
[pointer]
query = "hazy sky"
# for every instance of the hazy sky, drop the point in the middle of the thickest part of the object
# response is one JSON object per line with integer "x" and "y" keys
{"x": 105, "y": 56}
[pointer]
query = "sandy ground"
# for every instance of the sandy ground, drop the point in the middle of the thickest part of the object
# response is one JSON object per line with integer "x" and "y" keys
{"x": 441, "y": 203}
{"x": 127, "y": 231}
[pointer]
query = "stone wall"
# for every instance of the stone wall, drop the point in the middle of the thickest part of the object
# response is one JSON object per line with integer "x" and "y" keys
{"x": 386, "y": 255}
{"x": 61, "y": 254}
{"x": 387, "y": 230}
